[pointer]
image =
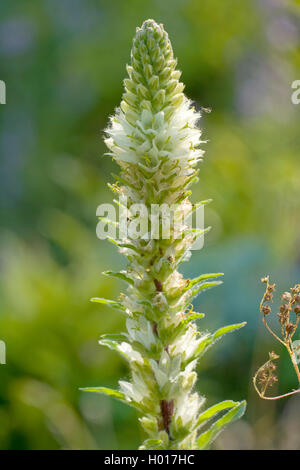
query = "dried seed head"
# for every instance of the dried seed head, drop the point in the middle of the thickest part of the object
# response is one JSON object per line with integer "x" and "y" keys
{"x": 266, "y": 309}
{"x": 284, "y": 308}
{"x": 266, "y": 376}
{"x": 268, "y": 296}
{"x": 296, "y": 290}
{"x": 290, "y": 328}
{"x": 272, "y": 380}
{"x": 273, "y": 355}
{"x": 283, "y": 318}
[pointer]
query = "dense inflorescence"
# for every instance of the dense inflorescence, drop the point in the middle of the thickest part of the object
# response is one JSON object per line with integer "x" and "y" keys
{"x": 154, "y": 138}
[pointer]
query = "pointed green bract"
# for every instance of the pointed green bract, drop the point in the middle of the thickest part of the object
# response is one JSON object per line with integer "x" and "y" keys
{"x": 205, "y": 440}
{"x": 215, "y": 410}
{"x": 106, "y": 391}
{"x": 155, "y": 139}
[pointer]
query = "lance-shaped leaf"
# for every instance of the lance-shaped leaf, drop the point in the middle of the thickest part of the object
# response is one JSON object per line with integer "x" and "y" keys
{"x": 205, "y": 440}
{"x": 112, "y": 341}
{"x": 192, "y": 317}
{"x": 214, "y": 410}
{"x": 201, "y": 287}
{"x": 203, "y": 277}
{"x": 209, "y": 339}
{"x": 227, "y": 329}
{"x": 109, "y": 303}
{"x": 201, "y": 203}
{"x": 119, "y": 275}
{"x": 197, "y": 231}
{"x": 124, "y": 245}
{"x": 109, "y": 221}
{"x": 106, "y": 391}
{"x": 114, "y": 394}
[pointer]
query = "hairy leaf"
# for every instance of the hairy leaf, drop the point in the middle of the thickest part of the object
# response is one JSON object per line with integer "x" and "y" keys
{"x": 109, "y": 303}
{"x": 206, "y": 439}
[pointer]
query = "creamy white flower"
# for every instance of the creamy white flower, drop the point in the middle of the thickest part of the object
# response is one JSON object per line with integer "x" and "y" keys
{"x": 140, "y": 330}
{"x": 130, "y": 391}
{"x": 187, "y": 343}
{"x": 187, "y": 407}
{"x": 131, "y": 355}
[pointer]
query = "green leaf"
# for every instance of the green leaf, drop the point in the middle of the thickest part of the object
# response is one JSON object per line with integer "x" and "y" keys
{"x": 203, "y": 346}
{"x": 114, "y": 394}
{"x": 152, "y": 444}
{"x": 123, "y": 245}
{"x": 227, "y": 329}
{"x": 214, "y": 410}
{"x": 197, "y": 231}
{"x": 109, "y": 303}
{"x": 210, "y": 339}
{"x": 114, "y": 337}
{"x": 119, "y": 275}
{"x": 192, "y": 317}
{"x": 108, "y": 221}
{"x": 203, "y": 277}
{"x": 106, "y": 391}
{"x": 203, "y": 286}
{"x": 112, "y": 341}
{"x": 201, "y": 203}
{"x": 205, "y": 439}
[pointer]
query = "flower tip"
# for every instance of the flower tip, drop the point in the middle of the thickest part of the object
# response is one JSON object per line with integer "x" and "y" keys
{"x": 150, "y": 24}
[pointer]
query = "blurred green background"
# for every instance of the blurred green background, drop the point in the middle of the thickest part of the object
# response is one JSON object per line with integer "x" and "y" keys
{"x": 63, "y": 62}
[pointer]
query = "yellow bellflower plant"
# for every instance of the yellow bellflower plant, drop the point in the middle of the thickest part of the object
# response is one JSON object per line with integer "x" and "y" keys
{"x": 155, "y": 140}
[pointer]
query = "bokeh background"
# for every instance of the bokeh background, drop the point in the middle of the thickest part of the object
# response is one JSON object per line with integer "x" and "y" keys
{"x": 63, "y": 62}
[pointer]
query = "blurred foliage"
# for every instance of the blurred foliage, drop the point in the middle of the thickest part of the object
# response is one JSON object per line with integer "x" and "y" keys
{"x": 63, "y": 63}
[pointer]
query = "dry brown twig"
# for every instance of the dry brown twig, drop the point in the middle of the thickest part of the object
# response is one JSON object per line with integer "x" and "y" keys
{"x": 265, "y": 376}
